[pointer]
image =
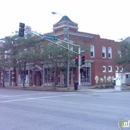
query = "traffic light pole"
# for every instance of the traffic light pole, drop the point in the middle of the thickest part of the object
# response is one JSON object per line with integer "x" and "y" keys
{"x": 79, "y": 63}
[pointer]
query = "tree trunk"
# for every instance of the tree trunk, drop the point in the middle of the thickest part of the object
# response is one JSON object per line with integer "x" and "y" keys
{"x": 56, "y": 77}
{"x": 3, "y": 79}
{"x": 24, "y": 74}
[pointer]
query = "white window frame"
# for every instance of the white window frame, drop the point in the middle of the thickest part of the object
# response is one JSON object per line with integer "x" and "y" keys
{"x": 104, "y": 69}
{"x": 25, "y": 49}
{"x": 6, "y": 54}
{"x": 117, "y": 68}
{"x": 41, "y": 50}
{"x": 121, "y": 69}
{"x": 109, "y": 52}
{"x": 119, "y": 53}
{"x": 103, "y": 52}
{"x": 109, "y": 68}
{"x": 92, "y": 51}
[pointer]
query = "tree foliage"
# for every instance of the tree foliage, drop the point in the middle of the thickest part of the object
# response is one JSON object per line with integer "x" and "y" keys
{"x": 19, "y": 52}
{"x": 123, "y": 57}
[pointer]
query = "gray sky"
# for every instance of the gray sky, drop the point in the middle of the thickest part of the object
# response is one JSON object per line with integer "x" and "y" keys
{"x": 108, "y": 18}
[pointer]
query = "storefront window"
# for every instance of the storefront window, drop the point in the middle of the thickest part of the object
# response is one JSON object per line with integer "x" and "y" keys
{"x": 49, "y": 75}
{"x": 6, "y": 76}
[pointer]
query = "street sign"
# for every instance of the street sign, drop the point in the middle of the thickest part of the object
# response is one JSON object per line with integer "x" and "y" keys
{"x": 27, "y": 29}
{"x": 50, "y": 37}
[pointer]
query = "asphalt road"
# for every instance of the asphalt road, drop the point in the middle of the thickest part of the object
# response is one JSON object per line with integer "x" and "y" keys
{"x": 40, "y": 110}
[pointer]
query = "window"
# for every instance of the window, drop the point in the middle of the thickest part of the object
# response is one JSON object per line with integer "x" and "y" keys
{"x": 60, "y": 51}
{"x": 117, "y": 68}
{"x": 109, "y": 52}
{"x": 92, "y": 53}
{"x": 104, "y": 68}
{"x": 70, "y": 47}
{"x": 109, "y": 68}
{"x": 50, "y": 55}
{"x": 121, "y": 69}
{"x": 6, "y": 54}
{"x": 25, "y": 50}
{"x": 119, "y": 53}
{"x": 41, "y": 50}
{"x": 33, "y": 49}
{"x": 49, "y": 75}
{"x": 103, "y": 52}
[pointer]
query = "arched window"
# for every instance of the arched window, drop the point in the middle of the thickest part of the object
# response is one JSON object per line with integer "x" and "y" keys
{"x": 92, "y": 51}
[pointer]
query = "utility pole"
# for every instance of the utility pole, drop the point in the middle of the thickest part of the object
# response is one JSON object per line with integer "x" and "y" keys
{"x": 79, "y": 64}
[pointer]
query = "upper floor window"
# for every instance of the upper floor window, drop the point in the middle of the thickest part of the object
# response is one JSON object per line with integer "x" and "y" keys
{"x": 60, "y": 51}
{"x": 104, "y": 68}
{"x": 25, "y": 49}
{"x": 92, "y": 52}
{"x": 6, "y": 54}
{"x": 119, "y": 53}
{"x": 103, "y": 52}
{"x": 121, "y": 69}
{"x": 117, "y": 68}
{"x": 109, "y": 68}
{"x": 109, "y": 52}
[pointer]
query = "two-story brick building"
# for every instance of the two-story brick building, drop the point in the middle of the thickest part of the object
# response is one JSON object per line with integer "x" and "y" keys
{"x": 99, "y": 66}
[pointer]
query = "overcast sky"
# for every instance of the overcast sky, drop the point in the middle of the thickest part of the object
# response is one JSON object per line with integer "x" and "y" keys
{"x": 108, "y": 18}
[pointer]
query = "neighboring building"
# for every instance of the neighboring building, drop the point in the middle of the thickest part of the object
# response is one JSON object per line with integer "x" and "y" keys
{"x": 99, "y": 66}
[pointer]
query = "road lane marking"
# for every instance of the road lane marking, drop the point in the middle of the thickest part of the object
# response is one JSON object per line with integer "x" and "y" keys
{"x": 4, "y": 96}
{"x": 24, "y": 99}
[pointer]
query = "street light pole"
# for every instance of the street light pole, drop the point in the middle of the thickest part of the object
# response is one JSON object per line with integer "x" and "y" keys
{"x": 68, "y": 67}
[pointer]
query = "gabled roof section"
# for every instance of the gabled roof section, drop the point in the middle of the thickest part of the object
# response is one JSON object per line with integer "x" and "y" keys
{"x": 65, "y": 19}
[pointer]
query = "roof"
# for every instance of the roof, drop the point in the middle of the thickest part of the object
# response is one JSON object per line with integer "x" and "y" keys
{"x": 127, "y": 39}
{"x": 66, "y": 18}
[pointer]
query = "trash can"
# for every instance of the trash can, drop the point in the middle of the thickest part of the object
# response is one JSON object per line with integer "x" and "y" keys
{"x": 75, "y": 86}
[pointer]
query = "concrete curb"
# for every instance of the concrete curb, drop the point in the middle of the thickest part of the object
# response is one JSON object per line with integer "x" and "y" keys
{"x": 63, "y": 89}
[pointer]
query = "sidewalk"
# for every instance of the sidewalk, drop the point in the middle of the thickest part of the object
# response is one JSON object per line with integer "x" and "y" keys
{"x": 99, "y": 90}
{"x": 61, "y": 89}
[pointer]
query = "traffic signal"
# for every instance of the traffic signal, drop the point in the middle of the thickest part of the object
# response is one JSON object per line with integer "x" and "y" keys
{"x": 21, "y": 29}
{"x": 83, "y": 60}
{"x": 76, "y": 60}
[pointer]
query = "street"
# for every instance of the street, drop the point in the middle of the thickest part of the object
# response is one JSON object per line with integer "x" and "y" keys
{"x": 45, "y": 110}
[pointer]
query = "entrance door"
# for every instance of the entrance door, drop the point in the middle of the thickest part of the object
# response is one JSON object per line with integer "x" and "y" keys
{"x": 85, "y": 76}
{"x": 38, "y": 78}
{"x": 62, "y": 79}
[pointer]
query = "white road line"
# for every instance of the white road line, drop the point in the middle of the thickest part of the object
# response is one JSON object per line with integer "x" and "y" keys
{"x": 24, "y": 99}
{"x": 4, "y": 96}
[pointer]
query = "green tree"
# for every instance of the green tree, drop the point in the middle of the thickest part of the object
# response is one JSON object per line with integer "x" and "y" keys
{"x": 123, "y": 57}
{"x": 14, "y": 54}
{"x": 34, "y": 50}
{"x": 55, "y": 57}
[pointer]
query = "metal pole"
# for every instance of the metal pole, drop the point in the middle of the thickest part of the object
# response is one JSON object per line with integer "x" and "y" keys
{"x": 79, "y": 63}
{"x": 68, "y": 67}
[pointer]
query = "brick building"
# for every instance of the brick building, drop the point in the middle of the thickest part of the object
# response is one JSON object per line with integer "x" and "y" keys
{"x": 99, "y": 66}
